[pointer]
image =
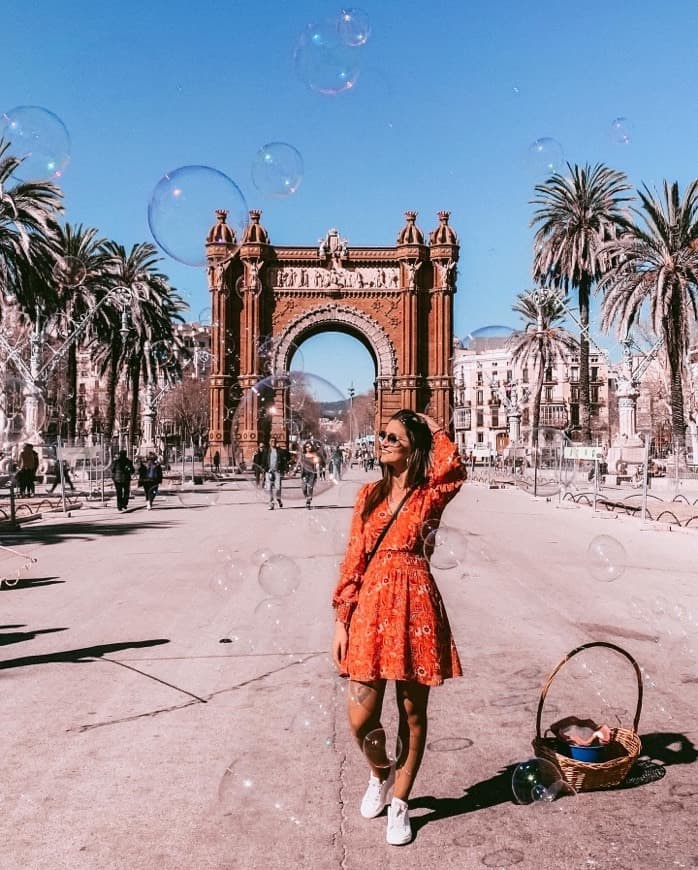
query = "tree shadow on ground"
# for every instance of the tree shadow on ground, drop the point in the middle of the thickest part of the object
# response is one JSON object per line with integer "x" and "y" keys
{"x": 34, "y": 582}
{"x": 80, "y": 530}
{"x": 9, "y": 637}
{"x": 84, "y": 654}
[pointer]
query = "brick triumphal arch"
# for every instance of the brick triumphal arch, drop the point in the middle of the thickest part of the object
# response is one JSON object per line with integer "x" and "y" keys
{"x": 267, "y": 299}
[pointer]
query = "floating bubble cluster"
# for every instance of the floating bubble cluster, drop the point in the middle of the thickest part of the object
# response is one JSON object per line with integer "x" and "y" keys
{"x": 606, "y": 558}
{"x": 545, "y": 157}
{"x": 40, "y": 138}
{"x": 277, "y": 169}
{"x": 323, "y": 61}
{"x": 182, "y": 209}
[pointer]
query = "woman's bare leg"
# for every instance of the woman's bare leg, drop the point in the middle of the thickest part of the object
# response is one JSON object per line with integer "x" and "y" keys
{"x": 365, "y": 705}
{"x": 412, "y": 700}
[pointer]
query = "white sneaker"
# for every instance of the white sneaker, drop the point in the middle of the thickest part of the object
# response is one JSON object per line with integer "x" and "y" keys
{"x": 376, "y": 796}
{"x": 399, "y": 829}
{"x": 148, "y": 506}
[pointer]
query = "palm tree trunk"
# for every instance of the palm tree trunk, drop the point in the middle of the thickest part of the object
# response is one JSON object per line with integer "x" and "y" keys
{"x": 678, "y": 421}
{"x": 72, "y": 382}
{"x": 110, "y": 390}
{"x": 135, "y": 379}
{"x": 539, "y": 392}
{"x": 584, "y": 393}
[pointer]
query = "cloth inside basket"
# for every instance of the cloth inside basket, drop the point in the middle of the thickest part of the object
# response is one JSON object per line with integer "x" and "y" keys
{"x": 581, "y": 732}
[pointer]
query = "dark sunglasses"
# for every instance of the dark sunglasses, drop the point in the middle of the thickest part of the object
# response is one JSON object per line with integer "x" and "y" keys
{"x": 389, "y": 437}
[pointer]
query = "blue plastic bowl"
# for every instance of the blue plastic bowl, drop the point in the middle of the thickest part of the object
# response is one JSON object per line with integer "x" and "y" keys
{"x": 592, "y": 754}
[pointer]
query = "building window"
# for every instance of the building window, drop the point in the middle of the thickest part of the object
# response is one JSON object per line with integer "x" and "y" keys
{"x": 462, "y": 418}
{"x": 509, "y": 376}
{"x": 549, "y": 373}
{"x": 594, "y": 394}
{"x": 574, "y": 373}
{"x": 594, "y": 373}
{"x": 525, "y": 417}
{"x": 480, "y": 437}
{"x": 495, "y": 418}
{"x": 574, "y": 394}
{"x": 524, "y": 375}
{"x": 547, "y": 394}
{"x": 480, "y": 418}
{"x": 479, "y": 379}
{"x": 480, "y": 397}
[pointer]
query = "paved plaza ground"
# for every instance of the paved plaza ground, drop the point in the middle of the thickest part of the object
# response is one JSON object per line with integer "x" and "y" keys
{"x": 134, "y": 739}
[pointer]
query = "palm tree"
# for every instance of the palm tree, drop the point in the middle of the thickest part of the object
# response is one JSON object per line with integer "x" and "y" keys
{"x": 656, "y": 262}
{"x": 543, "y": 339}
{"x": 81, "y": 279}
{"x": 153, "y": 309}
{"x": 28, "y": 213}
{"x": 575, "y": 216}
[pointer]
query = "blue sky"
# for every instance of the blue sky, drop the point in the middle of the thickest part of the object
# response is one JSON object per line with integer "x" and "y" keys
{"x": 448, "y": 100}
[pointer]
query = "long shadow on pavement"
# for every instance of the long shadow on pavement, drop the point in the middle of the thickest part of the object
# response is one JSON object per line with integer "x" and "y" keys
{"x": 34, "y": 582}
{"x": 84, "y": 654}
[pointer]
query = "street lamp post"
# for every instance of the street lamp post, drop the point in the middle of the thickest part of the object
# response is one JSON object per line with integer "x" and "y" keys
{"x": 352, "y": 393}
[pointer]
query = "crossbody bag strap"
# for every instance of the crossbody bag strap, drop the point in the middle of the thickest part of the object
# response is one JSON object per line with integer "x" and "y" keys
{"x": 387, "y": 526}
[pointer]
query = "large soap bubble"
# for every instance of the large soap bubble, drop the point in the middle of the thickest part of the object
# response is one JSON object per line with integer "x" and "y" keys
{"x": 277, "y": 169}
{"x": 323, "y": 61}
{"x": 545, "y": 157}
{"x": 296, "y": 408}
{"x": 539, "y": 780}
{"x": 606, "y": 558}
{"x": 621, "y": 131}
{"x": 382, "y": 749}
{"x": 487, "y": 337}
{"x": 445, "y": 547}
{"x": 40, "y": 138}
{"x": 182, "y": 209}
{"x": 279, "y": 575}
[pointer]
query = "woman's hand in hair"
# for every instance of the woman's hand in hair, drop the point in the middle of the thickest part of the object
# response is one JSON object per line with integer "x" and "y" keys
{"x": 431, "y": 423}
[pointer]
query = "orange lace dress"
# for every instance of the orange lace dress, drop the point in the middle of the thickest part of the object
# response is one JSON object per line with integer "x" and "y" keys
{"x": 398, "y": 628}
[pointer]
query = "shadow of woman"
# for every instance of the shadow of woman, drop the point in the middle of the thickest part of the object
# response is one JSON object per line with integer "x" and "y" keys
{"x": 480, "y": 796}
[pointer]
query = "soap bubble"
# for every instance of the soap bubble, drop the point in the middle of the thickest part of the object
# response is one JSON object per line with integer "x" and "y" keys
{"x": 69, "y": 272}
{"x": 162, "y": 353}
{"x": 289, "y": 406}
{"x": 621, "y": 131}
{"x": 279, "y": 575}
{"x": 606, "y": 558}
{"x": 193, "y": 495}
{"x": 354, "y": 27}
{"x": 487, "y": 337}
{"x": 227, "y": 578}
{"x": 381, "y": 749}
{"x": 259, "y": 557}
{"x": 539, "y": 780}
{"x": 182, "y": 209}
{"x": 277, "y": 169}
{"x": 323, "y": 63}
{"x": 270, "y": 618}
{"x": 545, "y": 156}
{"x": 40, "y": 138}
{"x": 204, "y": 316}
{"x": 445, "y": 547}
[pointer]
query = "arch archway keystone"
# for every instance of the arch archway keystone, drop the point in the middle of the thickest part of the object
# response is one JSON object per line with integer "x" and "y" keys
{"x": 398, "y": 301}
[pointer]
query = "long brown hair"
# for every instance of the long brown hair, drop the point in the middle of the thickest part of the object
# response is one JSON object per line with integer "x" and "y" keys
{"x": 419, "y": 436}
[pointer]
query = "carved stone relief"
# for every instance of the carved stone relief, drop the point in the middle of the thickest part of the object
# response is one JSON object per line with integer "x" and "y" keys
{"x": 317, "y": 278}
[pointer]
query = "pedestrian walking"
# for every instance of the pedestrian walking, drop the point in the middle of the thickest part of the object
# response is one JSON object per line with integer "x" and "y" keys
{"x": 28, "y": 466}
{"x": 336, "y": 461}
{"x": 121, "y": 474}
{"x": 150, "y": 478}
{"x": 275, "y": 462}
{"x": 391, "y": 623}
{"x": 63, "y": 467}
{"x": 310, "y": 465}
{"x": 258, "y": 465}
{"x": 216, "y": 462}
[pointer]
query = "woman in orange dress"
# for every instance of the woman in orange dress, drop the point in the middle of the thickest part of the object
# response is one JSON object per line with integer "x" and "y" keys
{"x": 390, "y": 620}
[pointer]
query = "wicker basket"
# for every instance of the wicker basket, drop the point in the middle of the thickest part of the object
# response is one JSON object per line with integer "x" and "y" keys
{"x": 624, "y": 746}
